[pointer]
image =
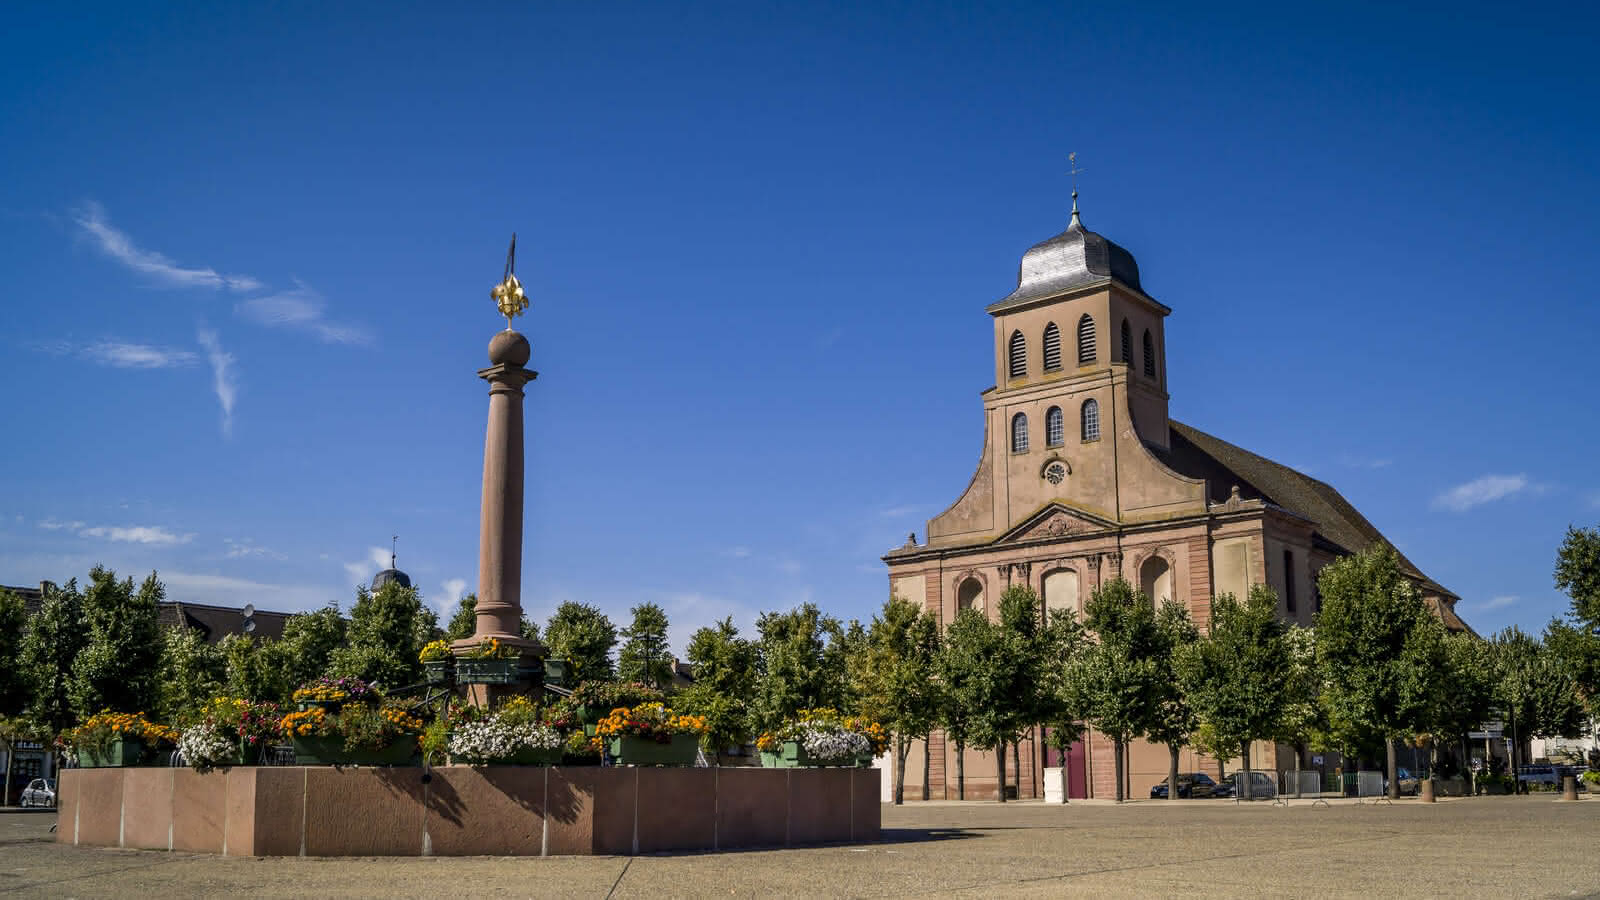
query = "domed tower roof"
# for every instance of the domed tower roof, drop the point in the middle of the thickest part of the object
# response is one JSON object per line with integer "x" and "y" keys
{"x": 388, "y": 575}
{"x": 1071, "y": 259}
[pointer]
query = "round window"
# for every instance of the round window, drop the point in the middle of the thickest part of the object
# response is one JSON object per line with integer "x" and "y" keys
{"x": 1055, "y": 472}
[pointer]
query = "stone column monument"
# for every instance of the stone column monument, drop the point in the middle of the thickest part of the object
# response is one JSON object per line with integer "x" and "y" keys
{"x": 499, "y": 608}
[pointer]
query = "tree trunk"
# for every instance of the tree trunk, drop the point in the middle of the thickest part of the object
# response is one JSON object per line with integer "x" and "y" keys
{"x": 1117, "y": 753}
{"x": 1243, "y": 793}
{"x": 1394, "y": 783}
{"x": 1000, "y": 771}
{"x": 1016, "y": 765}
{"x": 1466, "y": 767}
{"x": 961, "y": 770}
{"x": 1298, "y": 750}
{"x": 5, "y": 788}
{"x": 927, "y": 764}
{"x": 902, "y": 749}
{"x": 1172, "y": 771}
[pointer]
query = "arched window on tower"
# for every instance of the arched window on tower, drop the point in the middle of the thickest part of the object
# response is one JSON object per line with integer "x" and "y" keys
{"x": 1091, "y": 420}
{"x": 1019, "y": 433}
{"x": 1149, "y": 355}
{"x": 1085, "y": 340}
{"x": 1127, "y": 343}
{"x": 1052, "y": 347}
{"x": 1054, "y": 429}
{"x": 1018, "y": 355}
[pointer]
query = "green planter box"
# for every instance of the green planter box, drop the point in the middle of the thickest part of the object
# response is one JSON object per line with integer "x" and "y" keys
{"x": 120, "y": 752}
{"x": 487, "y": 671}
{"x": 795, "y": 757}
{"x": 590, "y": 716}
{"x": 631, "y": 750}
{"x": 772, "y": 759}
{"x": 330, "y": 751}
{"x": 438, "y": 671}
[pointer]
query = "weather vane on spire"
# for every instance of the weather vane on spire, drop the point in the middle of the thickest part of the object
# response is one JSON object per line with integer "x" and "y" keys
{"x": 508, "y": 293}
{"x": 394, "y": 546}
{"x": 1072, "y": 160}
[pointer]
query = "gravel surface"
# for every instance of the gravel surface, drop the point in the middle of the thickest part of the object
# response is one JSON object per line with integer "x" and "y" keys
{"x": 1486, "y": 846}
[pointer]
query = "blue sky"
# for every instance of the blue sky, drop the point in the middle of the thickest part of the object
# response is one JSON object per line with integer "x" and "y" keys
{"x": 248, "y": 254}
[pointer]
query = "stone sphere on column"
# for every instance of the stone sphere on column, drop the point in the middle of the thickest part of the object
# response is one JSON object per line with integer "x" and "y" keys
{"x": 508, "y": 348}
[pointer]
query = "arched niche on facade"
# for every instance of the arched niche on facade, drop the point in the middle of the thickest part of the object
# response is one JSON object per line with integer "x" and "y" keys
{"x": 1062, "y": 591}
{"x": 969, "y": 594}
{"x": 1155, "y": 579}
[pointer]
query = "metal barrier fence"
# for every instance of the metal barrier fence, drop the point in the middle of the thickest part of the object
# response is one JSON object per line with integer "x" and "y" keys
{"x": 1306, "y": 784}
{"x": 1369, "y": 786}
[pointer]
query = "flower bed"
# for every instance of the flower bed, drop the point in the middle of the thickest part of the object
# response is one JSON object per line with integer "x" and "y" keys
{"x": 357, "y": 733}
{"x": 651, "y": 734}
{"x": 515, "y": 734}
{"x": 230, "y": 732}
{"x": 438, "y": 664}
{"x": 491, "y": 662}
{"x": 334, "y": 693}
{"x": 117, "y": 739}
{"x": 819, "y": 737}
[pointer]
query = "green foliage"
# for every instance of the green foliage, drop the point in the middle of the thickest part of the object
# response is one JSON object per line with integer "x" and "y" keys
{"x": 1060, "y": 643}
{"x": 308, "y": 643}
{"x": 1238, "y": 677}
{"x": 530, "y": 630}
{"x": 1532, "y": 689}
{"x": 192, "y": 672}
{"x": 464, "y": 623}
{"x": 583, "y": 636}
{"x": 1172, "y": 715}
{"x": 800, "y": 660}
{"x": 724, "y": 683}
{"x": 54, "y": 639}
{"x": 118, "y": 666}
{"x": 1304, "y": 722}
{"x": 898, "y": 688}
{"x": 1577, "y": 646}
{"x": 1114, "y": 682}
{"x": 961, "y": 655}
{"x": 14, "y": 686}
{"x": 387, "y": 630}
{"x": 645, "y": 656}
{"x": 1380, "y": 648}
{"x": 1469, "y": 699}
{"x": 256, "y": 670}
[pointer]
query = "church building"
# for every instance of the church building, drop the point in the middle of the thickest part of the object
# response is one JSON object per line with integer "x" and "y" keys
{"x": 1084, "y": 478}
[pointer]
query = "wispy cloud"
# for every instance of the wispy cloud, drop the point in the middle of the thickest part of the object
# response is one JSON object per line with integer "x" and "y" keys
{"x": 1500, "y": 602}
{"x": 116, "y": 244}
{"x": 248, "y": 549}
{"x": 1479, "y": 491}
{"x": 207, "y": 588}
{"x": 222, "y": 376}
{"x": 300, "y": 308}
{"x": 450, "y": 596}
{"x": 122, "y": 354}
{"x": 53, "y": 525}
{"x": 361, "y": 572}
{"x": 137, "y": 534}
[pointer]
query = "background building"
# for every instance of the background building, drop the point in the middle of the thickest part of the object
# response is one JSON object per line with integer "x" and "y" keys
{"x": 1085, "y": 478}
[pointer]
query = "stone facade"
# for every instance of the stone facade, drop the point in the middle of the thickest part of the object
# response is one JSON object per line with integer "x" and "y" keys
{"x": 1085, "y": 478}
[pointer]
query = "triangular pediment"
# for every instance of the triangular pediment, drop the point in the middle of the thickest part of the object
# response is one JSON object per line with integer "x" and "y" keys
{"x": 1054, "y": 522}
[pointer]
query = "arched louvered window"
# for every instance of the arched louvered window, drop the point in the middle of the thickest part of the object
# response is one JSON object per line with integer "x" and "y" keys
{"x": 1018, "y": 355}
{"x": 1149, "y": 355}
{"x": 1054, "y": 430}
{"x": 1019, "y": 433}
{"x": 1091, "y": 420}
{"x": 1127, "y": 343}
{"x": 1085, "y": 340}
{"x": 1052, "y": 347}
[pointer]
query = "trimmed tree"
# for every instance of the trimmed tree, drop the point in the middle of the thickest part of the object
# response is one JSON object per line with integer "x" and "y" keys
{"x": 724, "y": 683}
{"x": 645, "y": 656}
{"x": 309, "y": 641}
{"x": 120, "y": 663}
{"x": 1381, "y": 649}
{"x": 962, "y": 655}
{"x": 584, "y": 637}
{"x": 1172, "y": 716}
{"x": 1060, "y": 642}
{"x": 55, "y": 638}
{"x": 1535, "y": 692}
{"x": 387, "y": 630}
{"x": 464, "y": 621}
{"x": 192, "y": 672}
{"x": 1114, "y": 682}
{"x": 1469, "y": 701}
{"x": 1577, "y": 644}
{"x": 800, "y": 662}
{"x": 1236, "y": 675}
{"x": 900, "y": 689}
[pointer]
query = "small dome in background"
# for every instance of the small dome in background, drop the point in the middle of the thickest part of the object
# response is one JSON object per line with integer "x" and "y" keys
{"x": 1072, "y": 258}
{"x": 388, "y": 575}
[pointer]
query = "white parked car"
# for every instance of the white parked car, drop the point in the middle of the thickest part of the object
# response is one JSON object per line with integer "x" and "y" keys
{"x": 39, "y": 792}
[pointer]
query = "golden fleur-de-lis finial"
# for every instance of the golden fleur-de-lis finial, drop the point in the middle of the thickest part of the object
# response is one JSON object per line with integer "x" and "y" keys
{"x": 508, "y": 294}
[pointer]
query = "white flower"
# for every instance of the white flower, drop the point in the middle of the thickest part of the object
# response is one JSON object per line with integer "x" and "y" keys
{"x": 492, "y": 740}
{"x": 203, "y": 747}
{"x": 831, "y": 743}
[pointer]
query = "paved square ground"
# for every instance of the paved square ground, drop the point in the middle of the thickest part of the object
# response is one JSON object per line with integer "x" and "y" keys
{"x": 1487, "y": 846}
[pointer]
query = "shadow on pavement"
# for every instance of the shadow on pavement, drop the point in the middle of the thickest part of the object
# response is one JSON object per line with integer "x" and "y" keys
{"x": 923, "y": 835}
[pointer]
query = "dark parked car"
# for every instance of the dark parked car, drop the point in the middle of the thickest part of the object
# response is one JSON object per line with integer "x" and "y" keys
{"x": 1195, "y": 784}
{"x": 1262, "y": 787}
